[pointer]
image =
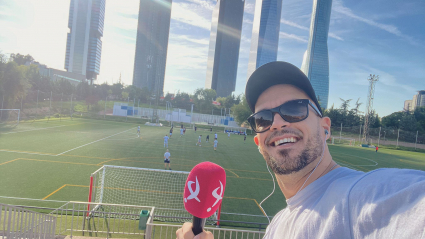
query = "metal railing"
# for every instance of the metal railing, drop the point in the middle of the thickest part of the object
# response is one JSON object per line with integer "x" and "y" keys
{"x": 101, "y": 220}
{"x": 168, "y": 231}
{"x": 17, "y": 222}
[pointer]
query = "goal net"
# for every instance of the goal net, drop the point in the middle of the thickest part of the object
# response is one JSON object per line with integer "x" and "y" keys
{"x": 162, "y": 189}
{"x": 9, "y": 116}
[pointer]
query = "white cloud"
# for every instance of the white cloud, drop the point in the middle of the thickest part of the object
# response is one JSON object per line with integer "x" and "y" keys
{"x": 292, "y": 36}
{"x": 339, "y": 8}
{"x": 187, "y": 13}
{"x": 189, "y": 39}
{"x": 293, "y": 24}
{"x": 249, "y": 8}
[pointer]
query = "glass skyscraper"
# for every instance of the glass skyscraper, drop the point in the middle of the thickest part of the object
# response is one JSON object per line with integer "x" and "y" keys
{"x": 151, "y": 44}
{"x": 265, "y": 33}
{"x": 83, "y": 45}
{"x": 316, "y": 60}
{"x": 223, "y": 53}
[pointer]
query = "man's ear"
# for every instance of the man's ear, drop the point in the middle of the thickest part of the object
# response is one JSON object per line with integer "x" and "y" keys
{"x": 326, "y": 124}
{"x": 256, "y": 140}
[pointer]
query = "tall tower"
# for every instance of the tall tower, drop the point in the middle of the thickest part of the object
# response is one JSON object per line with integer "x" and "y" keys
{"x": 265, "y": 33}
{"x": 369, "y": 107}
{"x": 151, "y": 45}
{"x": 223, "y": 53}
{"x": 84, "y": 44}
{"x": 316, "y": 61}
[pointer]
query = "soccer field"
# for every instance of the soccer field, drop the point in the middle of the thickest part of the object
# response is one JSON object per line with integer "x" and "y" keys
{"x": 53, "y": 160}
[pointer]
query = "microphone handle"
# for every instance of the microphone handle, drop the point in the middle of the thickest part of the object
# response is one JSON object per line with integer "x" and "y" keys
{"x": 197, "y": 225}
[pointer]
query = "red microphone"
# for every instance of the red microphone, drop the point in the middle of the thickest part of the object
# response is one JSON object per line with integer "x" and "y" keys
{"x": 203, "y": 192}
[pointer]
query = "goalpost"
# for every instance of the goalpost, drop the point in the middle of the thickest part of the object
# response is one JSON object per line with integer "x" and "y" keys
{"x": 10, "y": 116}
{"x": 162, "y": 189}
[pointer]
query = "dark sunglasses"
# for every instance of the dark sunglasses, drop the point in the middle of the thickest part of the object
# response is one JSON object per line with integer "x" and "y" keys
{"x": 291, "y": 111}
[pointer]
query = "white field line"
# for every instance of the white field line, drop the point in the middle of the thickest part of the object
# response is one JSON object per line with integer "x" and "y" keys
{"x": 19, "y": 152}
{"x": 34, "y": 129}
{"x": 376, "y": 163}
{"x": 94, "y": 142}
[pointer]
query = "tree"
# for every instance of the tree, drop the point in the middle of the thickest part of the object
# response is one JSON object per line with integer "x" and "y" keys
{"x": 124, "y": 95}
{"x": 203, "y": 98}
{"x": 13, "y": 83}
{"x": 392, "y": 120}
{"x": 419, "y": 114}
{"x": 117, "y": 89}
{"x": 182, "y": 100}
{"x": 21, "y": 59}
{"x": 241, "y": 111}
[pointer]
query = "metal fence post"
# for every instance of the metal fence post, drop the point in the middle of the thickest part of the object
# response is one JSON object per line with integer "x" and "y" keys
{"x": 104, "y": 113}
{"x": 1, "y": 111}
{"x": 360, "y": 133}
{"x": 398, "y": 135}
{"x": 70, "y": 109}
{"x": 416, "y": 141}
{"x": 60, "y": 114}
{"x": 50, "y": 107}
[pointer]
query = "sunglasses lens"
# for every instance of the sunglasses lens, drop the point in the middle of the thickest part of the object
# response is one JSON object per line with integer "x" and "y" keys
{"x": 294, "y": 111}
{"x": 261, "y": 121}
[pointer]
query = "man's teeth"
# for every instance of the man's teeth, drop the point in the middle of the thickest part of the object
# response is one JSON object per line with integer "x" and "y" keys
{"x": 285, "y": 140}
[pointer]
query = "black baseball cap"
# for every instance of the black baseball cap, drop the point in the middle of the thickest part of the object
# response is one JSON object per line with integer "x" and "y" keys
{"x": 276, "y": 73}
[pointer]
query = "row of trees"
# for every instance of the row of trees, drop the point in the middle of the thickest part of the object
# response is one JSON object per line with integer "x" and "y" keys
{"x": 350, "y": 117}
{"x": 18, "y": 78}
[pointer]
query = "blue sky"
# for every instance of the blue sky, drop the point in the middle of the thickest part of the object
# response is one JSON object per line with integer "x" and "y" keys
{"x": 381, "y": 37}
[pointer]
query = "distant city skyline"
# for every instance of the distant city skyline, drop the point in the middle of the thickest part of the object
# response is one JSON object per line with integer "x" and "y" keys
{"x": 316, "y": 59}
{"x": 84, "y": 44}
{"x": 151, "y": 44}
{"x": 365, "y": 37}
{"x": 265, "y": 33}
{"x": 223, "y": 53}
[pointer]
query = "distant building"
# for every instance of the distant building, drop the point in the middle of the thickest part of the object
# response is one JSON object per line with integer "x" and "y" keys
{"x": 408, "y": 105}
{"x": 223, "y": 54}
{"x": 84, "y": 44}
{"x": 417, "y": 101}
{"x": 265, "y": 33}
{"x": 151, "y": 44}
{"x": 56, "y": 75}
{"x": 316, "y": 60}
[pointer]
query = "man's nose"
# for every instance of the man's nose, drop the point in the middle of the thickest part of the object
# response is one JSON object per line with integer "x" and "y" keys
{"x": 278, "y": 122}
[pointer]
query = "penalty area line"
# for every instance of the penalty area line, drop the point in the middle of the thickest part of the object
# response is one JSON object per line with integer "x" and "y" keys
{"x": 94, "y": 142}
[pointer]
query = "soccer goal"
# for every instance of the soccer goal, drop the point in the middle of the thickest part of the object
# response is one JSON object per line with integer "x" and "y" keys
{"x": 162, "y": 189}
{"x": 10, "y": 116}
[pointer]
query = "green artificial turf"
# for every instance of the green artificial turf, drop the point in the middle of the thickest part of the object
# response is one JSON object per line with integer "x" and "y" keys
{"x": 53, "y": 160}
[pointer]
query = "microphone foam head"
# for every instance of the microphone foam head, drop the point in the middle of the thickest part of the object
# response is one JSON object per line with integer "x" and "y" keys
{"x": 204, "y": 189}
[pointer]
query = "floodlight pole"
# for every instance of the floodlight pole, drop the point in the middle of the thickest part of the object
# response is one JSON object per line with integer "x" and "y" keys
{"x": 340, "y": 132}
{"x": 134, "y": 102}
{"x": 371, "y": 94}
{"x": 379, "y": 135}
{"x": 22, "y": 99}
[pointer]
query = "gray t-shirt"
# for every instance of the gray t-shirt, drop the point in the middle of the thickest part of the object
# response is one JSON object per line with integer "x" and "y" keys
{"x": 384, "y": 203}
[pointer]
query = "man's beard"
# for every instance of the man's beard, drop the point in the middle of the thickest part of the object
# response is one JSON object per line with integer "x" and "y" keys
{"x": 285, "y": 164}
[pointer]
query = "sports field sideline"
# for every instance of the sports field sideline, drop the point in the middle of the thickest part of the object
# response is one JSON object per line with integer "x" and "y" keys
{"x": 53, "y": 161}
